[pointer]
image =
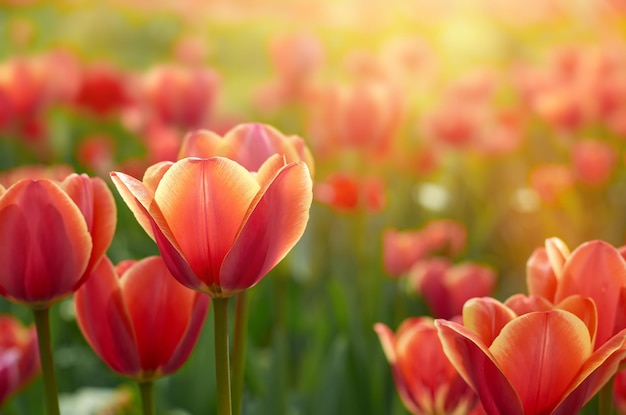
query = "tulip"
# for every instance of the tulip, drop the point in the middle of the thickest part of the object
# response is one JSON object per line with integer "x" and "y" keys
{"x": 51, "y": 237}
{"x": 593, "y": 162}
{"x": 234, "y": 230}
{"x": 446, "y": 287}
{"x": 19, "y": 358}
{"x": 348, "y": 193}
{"x": 541, "y": 362}
{"x": 140, "y": 321}
{"x": 426, "y": 381}
{"x": 554, "y": 273}
{"x": 248, "y": 144}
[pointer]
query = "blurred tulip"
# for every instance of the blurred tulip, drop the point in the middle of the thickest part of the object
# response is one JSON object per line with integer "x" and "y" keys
{"x": 296, "y": 57}
{"x": 139, "y": 320}
{"x": 593, "y": 162}
{"x": 96, "y": 152}
{"x": 349, "y": 193}
{"x": 446, "y": 287}
{"x": 542, "y": 362}
{"x": 183, "y": 97}
{"x": 555, "y": 274}
{"x": 103, "y": 90}
{"x": 235, "y": 229}
{"x": 619, "y": 392}
{"x": 51, "y": 236}
{"x": 56, "y": 173}
{"x": 19, "y": 357}
{"x": 426, "y": 381}
{"x": 551, "y": 181}
{"x": 248, "y": 144}
{"x": 362, "y": 117}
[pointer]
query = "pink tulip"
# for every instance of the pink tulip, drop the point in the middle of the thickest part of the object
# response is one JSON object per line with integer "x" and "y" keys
{"x": 19, "y": 356}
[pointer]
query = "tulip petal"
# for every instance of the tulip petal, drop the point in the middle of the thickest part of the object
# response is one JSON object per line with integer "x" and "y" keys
{"x": 523, "y": 304}
{"x": 608, "y": 268}
{"x": 585, "y": 309}
{"x": 476, "y": 365}
{"x": 540, "y": 277}
{"x": 486, "y": 317}
{"x": 203, "y": 144}
{"x": 596, "y": 371}
{"x": 137, "y": 197}
{"x": 272, "y": 227}
{"x": 540, "y": 354}
{"x": 104, "y": 320}
{"x": 204, "y": 202}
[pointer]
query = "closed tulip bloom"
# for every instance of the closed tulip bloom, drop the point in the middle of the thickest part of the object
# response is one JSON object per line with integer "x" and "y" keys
{"x": 555, "y": 273}
{"x": 248, "y": 144}
{"x": 51, "y": 236}
{"x": 139, "y": 320}
{"x": 541, "y": 362}
{"x": 426, "y": 381}
{"x": 219, "y": 227}
{"x": 19, "y": 358}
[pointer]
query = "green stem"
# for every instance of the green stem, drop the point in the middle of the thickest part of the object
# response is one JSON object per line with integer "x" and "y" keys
{"x": 605, "y": 401}
{"x": 239, "y": 350}
{"x": 222, "y": 363}
{"x": 42, "y": 323}
{"x": 146, "y": 390}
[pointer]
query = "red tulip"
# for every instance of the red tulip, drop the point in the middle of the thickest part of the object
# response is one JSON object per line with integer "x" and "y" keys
{"x": 446, "y": 287}
{"x": 219, "y": 227}
{"x": 19, "y": 357}
{"x": 51, "y": 236}
{"x": 542, "y": 362}
{"x": 593, "y": 162}
{"x": 138, "y": 319}
{"x": 555, "y": 274}
{"x": 248, "y": 144}
{"x": 347, "y": 192}
{"x": 426, "y": 381}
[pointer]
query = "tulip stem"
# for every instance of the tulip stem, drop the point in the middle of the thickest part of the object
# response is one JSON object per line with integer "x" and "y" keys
{"x": 222, "y": 362}
{"x": 146, "y": 390}
{"x": 239, "y": 350}
{"x": 42, "y": 323}
{"x": 605, "y": 399}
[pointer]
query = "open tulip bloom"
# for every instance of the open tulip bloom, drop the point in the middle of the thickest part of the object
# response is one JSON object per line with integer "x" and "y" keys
{"x": 541, "y": 362}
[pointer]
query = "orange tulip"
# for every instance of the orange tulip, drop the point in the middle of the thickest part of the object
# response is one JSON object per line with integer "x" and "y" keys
{"x": 19, "y": 358}
{"x": 219, "y": 227}
{"x": 248, "y": 144}
{"x": 140, "y": 321}
{"x": 425, "y": 379}
{"x": 555, "y": 274}
{"x": 347, "y": 192}
{"x": 51, "y": 236}
{"x": 542, "y": 362}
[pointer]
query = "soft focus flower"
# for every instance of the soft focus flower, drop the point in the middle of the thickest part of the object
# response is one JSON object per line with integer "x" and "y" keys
{"x": 104, "y": 90}
{"x": 19, "y": 356}
{"x": 220, "y": 227}
{"x": 555, "y": 274}
{"x": 296, "y": 57}
{"x": 551, "y": 181}
{"x": 183, "y": 97}
{"x": 426, "y": 381}
{"x": 249, "y": 144}
{"x": 446, "y": 287}
{"x": 593, "y": 162}
{"x": 138, "y": 319}
{"x": 542, "y": 362}
{"x": 52, "y": 235}
{"x": 349, "y": 193}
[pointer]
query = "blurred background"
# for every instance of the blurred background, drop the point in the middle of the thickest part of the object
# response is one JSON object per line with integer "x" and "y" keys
{"x": 465, "y": 129}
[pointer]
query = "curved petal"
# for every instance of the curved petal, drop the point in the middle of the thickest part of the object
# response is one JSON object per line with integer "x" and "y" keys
{"x": 585, "y": 309}
{"x": 160, "y": 310}
{"x": 104, "y": 321}
{"x": 467, "y": 280}
{"x": 596, "y": 371}
{"x": 476, "y": 365}
{"x": 486, "y": 317}
{"x": 137, "y": 197}
{"x": 204, "y": 202}
{"x": 273, "y": 225}
{"x": 203, "y": 144}
{"x": 540, "y": 354}
{"x": 540, "y": 277}
{"x": 95, "y": 201}
{"x": 523, "y": 304}
{"x": 608, "y": 268}
{"x": 557, "y": 253}
{"x": 44, "y": 243}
